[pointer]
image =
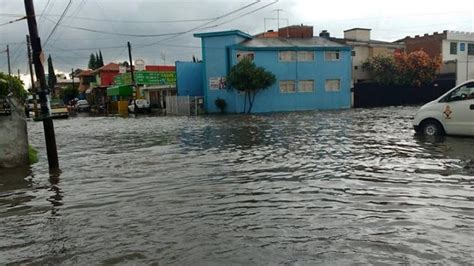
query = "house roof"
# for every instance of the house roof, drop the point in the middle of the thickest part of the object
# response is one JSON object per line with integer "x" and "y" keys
{"x": 347, "y": 41}
{"x": 358, "y": 29}
{"x": 108, "y": 67}
{"x": 86, "y": 72}
{"x": 315, "y": 42}
{"x": 223, "y": 33}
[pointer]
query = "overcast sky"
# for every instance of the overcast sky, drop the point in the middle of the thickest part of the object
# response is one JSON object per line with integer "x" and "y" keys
{"x": 76, "y": 37}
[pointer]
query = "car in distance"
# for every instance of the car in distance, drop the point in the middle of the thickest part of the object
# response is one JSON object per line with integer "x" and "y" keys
{"x": 58, "y": 109}
{"x": 82, "y": 106}
{"x": 141, "y": 106}
{"x": 450, "y": 114}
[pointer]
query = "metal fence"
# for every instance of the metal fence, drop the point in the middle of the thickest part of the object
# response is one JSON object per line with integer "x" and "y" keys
{"x": 184, "y": 105}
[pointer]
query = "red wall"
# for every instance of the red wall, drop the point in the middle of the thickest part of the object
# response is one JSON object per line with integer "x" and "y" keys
{"x": 160, "y": 68}
{"x": 107, "y": 77}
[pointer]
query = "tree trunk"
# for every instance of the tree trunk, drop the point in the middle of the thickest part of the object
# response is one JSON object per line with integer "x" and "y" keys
{"x": 245, "y": 102}
{"x": 251, "y": 101}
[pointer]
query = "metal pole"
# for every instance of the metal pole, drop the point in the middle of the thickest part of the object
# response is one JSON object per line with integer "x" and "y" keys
{"x": 38, "y": 59}
{"x": 32, "y": 76}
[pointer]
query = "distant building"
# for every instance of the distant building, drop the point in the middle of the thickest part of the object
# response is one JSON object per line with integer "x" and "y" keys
{"x": 364, "y": 48}
{"x": 96, "y": 94}
{"x": 455, "y": 48}
{"x": 312, "y": 72}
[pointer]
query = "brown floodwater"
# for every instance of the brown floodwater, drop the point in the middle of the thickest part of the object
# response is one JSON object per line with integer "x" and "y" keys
{"x": 329, "y": 187}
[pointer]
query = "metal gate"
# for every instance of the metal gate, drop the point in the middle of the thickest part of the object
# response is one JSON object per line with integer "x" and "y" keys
{"x": 184, "y": 105}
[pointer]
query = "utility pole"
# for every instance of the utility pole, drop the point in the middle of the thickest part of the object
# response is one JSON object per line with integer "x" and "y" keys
{"x": 8, "y": 59}
{"x": 38, "y": 59}
{"x": 10, "y": 87}
{"x": 19, "y": 76}
{"x": 135, "y": 91}
{"x": 34, "y": 91}
{"x": 72, "y": 77}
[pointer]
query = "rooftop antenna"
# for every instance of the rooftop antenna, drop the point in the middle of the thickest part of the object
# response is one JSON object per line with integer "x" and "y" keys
{"x": 278, "y": 17}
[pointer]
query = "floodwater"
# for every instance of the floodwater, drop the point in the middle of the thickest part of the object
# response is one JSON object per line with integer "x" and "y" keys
{"x": 332, "y": 187}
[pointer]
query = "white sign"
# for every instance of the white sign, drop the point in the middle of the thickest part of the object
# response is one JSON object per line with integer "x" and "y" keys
{"x": 140, "y": 65}
{"x": 122, "y": 69}
{"x": 217, "y": 83}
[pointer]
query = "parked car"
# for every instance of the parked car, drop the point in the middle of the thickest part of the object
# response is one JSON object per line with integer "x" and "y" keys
{"x": 141, "y": 105}
{"x": 82, "y": 106}
{"x": 58, "y": 109}
{"x": 451, "y": 114}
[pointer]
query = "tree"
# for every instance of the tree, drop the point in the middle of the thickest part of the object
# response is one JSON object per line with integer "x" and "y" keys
{"x": 413, "y": 69}
{"x": 101, "y": 59}
{"x": 247, "y": 77}
{"x": 97, "y": 61}
{"x": 16, "y": 84}
{"x": 69, "y": 93}
{"x": 92, "y": 62}
{"x": 52, "y": 80}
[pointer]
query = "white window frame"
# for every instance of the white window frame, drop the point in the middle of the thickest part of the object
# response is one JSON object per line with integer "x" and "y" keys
{"x": 330, "y": 89}
{"x": 243, "y": 54}
{"x": 287, "y": 56}
{"x": 305, "y": 56}
{"x": 283, "y": 86}
{"x": 300, "y": 86}
{"x": 338, "y": 53}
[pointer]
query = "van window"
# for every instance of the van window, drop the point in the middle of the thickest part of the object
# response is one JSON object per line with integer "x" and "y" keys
{"x": 465, "y": 92}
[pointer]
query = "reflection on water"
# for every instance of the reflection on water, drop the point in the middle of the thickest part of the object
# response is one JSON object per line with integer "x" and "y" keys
{"x": 336, "y": 187}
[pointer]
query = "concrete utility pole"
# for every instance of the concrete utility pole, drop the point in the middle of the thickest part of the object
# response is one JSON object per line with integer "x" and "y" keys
{"x": 135, "y": 91}
{"x": 38, "y": 59}
{"x": 34, "y": 91}
{"x": 8, "y": 59}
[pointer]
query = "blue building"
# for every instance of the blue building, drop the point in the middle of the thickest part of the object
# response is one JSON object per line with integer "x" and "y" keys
{"x": 189, "y": 78}
{"x": 312, "y": 72}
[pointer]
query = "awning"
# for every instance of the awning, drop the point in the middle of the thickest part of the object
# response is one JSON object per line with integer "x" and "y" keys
{"x": 125, "y": 90}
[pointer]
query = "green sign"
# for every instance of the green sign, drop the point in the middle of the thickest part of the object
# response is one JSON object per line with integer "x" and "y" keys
{"x": 147, "y": 78}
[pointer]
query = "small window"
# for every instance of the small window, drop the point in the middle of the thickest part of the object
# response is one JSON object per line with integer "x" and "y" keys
{"x": 353, "y": 53}
{"x": 305, "y": 56}
{"x": 287, "y": 86}
{"x": 306, "y": 85}
{"x": 245, "y": 55}
{"x": 453, "y": 48}
{"x": 470, "y": 48}
{"x": 356, "y": 67}
{"x": 331, "y": 56}
{"x": 333, "y": 85}
{"x": 287, "y": 56}
{"x": 462, "y": 47}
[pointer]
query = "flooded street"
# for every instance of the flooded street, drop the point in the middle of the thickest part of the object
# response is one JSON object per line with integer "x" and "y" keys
{"x": 333, "y": 187}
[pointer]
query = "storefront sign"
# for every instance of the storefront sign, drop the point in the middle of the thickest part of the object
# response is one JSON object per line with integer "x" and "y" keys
{"x": 147, "y": 78}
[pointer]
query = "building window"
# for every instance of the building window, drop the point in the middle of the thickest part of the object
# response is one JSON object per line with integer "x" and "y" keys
{"x": 306, "y": 85}
{"x": 333, "y": 85}
{"x": 470, "y": 48}
{"x": 462, "y": 47}
{"x": 331, "y": 56}
{"x": 287, "y": 86}
{"x": 453, "y": 48}
{"x": 287, "y": 56}
{"x": 353, "y": 53}
{"x": 245, "y": 55}
{"x": 356, "y": 67}
{"x": 305, "y": 56}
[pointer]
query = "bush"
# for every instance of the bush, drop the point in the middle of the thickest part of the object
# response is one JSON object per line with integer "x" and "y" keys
{"x": 221, "y": 104}
{"x": 32, "y": 154}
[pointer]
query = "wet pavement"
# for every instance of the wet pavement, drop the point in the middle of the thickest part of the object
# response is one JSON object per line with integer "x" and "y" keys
{"x": 333, "y": 187}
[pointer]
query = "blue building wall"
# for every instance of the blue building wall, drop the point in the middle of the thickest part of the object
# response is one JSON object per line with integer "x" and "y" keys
{"x": 189, "y": 78}
{"x": 220, "y": 53}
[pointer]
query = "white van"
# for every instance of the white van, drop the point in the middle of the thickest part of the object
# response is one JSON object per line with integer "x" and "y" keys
{"x": 452, "y": 113}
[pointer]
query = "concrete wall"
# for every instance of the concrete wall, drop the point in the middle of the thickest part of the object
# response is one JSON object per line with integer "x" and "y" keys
{"x": 13, "y": 138}
{"x": 464, "y": 62}
{"x": 189, "y": 79}
{"x": 357, "y": 34}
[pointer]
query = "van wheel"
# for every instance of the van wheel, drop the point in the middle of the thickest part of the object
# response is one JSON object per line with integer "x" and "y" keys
{"x": 431, "y": 128}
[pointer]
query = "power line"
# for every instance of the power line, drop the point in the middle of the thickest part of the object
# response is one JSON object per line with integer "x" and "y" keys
{"x": 58, "y": 22}
{"x": 203, "y": 25}
{"x": 13, "y": 21}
